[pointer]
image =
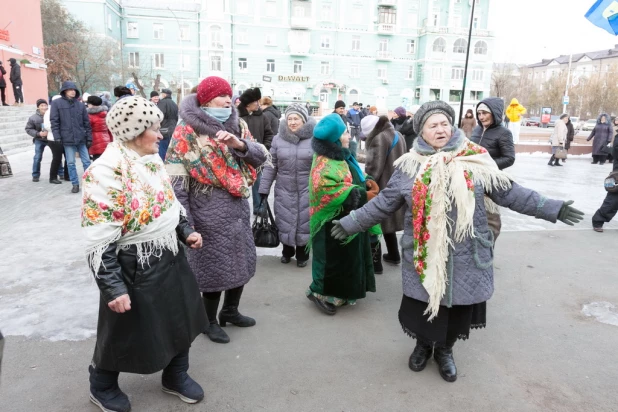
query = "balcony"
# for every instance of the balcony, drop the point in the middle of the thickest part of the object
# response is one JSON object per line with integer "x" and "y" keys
{"x": 299, "y": 49}
{"x": 384, "y": 28}
{"x": 385, "y": 55}
{"x": 387, "y": 3}
{"x": 301, "y": 22}
{"x": 299, "y": 42}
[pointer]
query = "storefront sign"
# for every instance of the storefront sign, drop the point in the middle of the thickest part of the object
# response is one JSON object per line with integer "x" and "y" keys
{"x": 293, "y": 78}
{"x": 267, "y": 79}
{"x": 4, "y": 35}
{"x": 545, "y": 115}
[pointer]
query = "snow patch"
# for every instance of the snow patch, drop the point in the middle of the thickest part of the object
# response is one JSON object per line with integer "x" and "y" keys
{"x": 604, "y": 312}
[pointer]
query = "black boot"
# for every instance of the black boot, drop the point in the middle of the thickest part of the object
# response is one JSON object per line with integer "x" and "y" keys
{"x": 214, "y": 331}
{"x": 105, "y": 393}
{"x": 55, "y": 181}
{"x": 446, "y": 363}
{"x": 393, "y": 257}
{"x": 376, "y": 253}
{"x": 551, "y": 160}
{"x": 176, "y": 381}
{"x": 420, "y": 355}
{"x": 557, "y": 162}
{"x": 75, "y": 189}
{"x": 229, "y": 312}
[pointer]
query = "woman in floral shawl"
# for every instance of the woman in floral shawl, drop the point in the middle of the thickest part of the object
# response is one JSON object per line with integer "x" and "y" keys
{"x": 150, "y": 309}
{"x": 342, "y": 273}
{"x": 447, "y": 244}
{"x": 213, "y": 162}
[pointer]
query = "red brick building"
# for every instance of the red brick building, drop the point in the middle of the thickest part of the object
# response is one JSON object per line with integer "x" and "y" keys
{"x": 21, "y": 38}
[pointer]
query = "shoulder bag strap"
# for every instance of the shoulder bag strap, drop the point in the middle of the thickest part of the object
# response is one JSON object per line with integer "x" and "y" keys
{"x": 395, "y": 141}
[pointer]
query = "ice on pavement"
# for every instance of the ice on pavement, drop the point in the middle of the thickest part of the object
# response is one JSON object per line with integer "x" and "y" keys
{"x": 604, "y": 312}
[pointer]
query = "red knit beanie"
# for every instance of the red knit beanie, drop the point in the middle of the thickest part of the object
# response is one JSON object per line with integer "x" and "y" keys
{"x": 212, "y": 87}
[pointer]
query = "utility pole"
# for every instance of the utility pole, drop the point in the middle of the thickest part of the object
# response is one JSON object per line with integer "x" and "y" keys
{"x": 182, "y": 60}
{"x": 566, "y": 89}
{"x": 463, "y": 88}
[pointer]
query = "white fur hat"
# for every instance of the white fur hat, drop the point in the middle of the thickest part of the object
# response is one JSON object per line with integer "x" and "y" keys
{"x": 131, "y": 116}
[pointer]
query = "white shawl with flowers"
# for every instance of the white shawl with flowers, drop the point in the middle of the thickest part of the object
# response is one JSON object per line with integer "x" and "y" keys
{"x": 128, "y": 199}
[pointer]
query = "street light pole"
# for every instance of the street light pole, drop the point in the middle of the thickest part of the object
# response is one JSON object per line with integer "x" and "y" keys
{"x": 566, "y": 89}
{"x": 182, "y": 60}
{"x": 463, "y": 87}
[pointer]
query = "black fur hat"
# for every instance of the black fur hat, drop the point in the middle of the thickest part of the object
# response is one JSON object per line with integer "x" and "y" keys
{"x": 250, "y": 96}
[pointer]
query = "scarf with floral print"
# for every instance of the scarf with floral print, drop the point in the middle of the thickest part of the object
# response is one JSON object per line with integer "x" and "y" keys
{"x": 128, "y": 199}
{"x": 445, "y": 179}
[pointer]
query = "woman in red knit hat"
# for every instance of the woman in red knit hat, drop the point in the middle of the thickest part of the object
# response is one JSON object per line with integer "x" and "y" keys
{"x": 213, "y": 162}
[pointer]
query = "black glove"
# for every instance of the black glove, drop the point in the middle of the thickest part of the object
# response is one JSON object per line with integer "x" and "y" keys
{"x": 58, "y": 141}
{"x": 569, "y": 214}
{"x": 337, "y": 231}
{"x": 88, "y": 145}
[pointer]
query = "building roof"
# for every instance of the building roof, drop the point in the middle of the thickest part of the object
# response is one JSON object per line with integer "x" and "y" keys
{"x": 564, "y": 58}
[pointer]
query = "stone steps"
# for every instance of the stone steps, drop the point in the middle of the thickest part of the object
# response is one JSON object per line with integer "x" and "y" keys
{"x": 13, "y": 137}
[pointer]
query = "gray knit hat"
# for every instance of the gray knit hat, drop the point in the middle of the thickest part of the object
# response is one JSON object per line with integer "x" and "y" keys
{"x": 430, "y": 108}
{"x": 131, "y": 116}
{"x": 298, "y": 109}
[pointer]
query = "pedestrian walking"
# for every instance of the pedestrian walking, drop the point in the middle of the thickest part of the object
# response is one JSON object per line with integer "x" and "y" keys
{"x": 271, "y": 113}
{"x": 342, "y": 272}
{"x": 558, "y": 138}
{"x": 468, "y": 123}
{"x": 213, "y": 162}
{"x": 35, "y": 127}
{"x": 3, "y": 85}
{"x": 609, "y": 207}
{"x": 170, "y": 120}
{"x": 614, "y": 123}
{"x": 71, "y": 127}
{"x": 498, "y": 141}
{"x": 602, "y": 135}
{"x": 15, "y": 78}
{"x": 513, "y": 118}
{"x": 101, "y": 136}
{"x": 292, "y": 156}
{"x": 447, "y": 244}
{"x": 149, "y": 307}
{"x": 354, "y": 116}
{"x": 59, "y": 163}
{"x": 154, "y": 97}
{"x": 259, "y": 127}
{"x": 570, "y": 136}
{"x": 383, "y": 146}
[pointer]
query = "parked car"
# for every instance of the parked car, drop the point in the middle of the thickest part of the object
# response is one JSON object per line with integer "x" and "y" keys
{"x": 532, "y": 121}
{"x": 589, "y": 125}
{"x": 553, "y": 120}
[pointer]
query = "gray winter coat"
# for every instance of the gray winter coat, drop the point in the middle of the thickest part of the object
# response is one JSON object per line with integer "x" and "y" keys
{"x": 292, "y": 157}
{"x": 227, "y": 257}
{"x": 470, "y": 268}
{"x": 380, "y": 166}
{"x": 602, "y": 135}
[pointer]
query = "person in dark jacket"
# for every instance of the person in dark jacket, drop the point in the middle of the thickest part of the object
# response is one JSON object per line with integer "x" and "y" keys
{"x": 101, "y": 135}
{"x": 404, "y": 124}
{"x": 354, "y": 119}
{"x": 259, "y": 126}
{"x": 170, "y": 120}
{"x": 15, "y": 78}
{"x": 272, "y": 113}
{"x": 3, "y": 85}
{"x": 121, "y": 92}
{"x": 602, "y": 135}
{"x": 498, "y": 140}
{"x": 154, "y": 97}
{"x": 35, "y": 128}
{"x": 468, "y": 123}
{"x": 570, "y": 136}
{"x": 71, "y": 127}
{"x": 340, "y": 110}
{"x": 609, "y": 208}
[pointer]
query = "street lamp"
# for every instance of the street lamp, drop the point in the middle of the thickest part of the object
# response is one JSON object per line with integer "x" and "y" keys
{"x": 182, "y": 60}
{"x": 566, "y": 89}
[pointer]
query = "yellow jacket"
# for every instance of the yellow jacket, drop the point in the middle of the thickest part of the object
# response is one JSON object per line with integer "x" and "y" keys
{"x": 515, "y": 110}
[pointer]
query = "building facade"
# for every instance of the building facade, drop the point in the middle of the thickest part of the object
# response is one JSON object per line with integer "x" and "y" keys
{"x": 379, "y": 52}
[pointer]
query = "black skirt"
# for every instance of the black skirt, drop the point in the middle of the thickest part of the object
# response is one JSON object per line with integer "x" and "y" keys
{"x": 449, "y": 325}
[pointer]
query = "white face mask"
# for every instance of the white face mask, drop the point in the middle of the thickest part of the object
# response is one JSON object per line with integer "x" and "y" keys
{"x": 219, "y": 113}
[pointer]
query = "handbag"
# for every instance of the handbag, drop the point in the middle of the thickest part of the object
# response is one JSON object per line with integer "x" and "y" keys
{"x": 611, "y": 182}
{"x": 561, "y": 153}
{"x": 265, "y": 231}
{"x": 607, "y": 149}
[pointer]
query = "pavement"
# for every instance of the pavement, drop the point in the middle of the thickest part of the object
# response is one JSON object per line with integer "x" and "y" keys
{"x": 539, "y": 352}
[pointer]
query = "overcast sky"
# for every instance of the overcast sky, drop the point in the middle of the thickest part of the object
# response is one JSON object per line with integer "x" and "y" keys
{"x": 529, "y": 30}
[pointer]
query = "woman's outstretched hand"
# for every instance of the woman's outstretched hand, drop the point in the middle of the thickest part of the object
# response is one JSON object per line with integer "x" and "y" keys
{"x": 121, "y": 304}
{"x": 230, "y": 140}
{"x": 337, "y": 231}
{"x": 569, "y": 214}
{"x": 194, "y": 240}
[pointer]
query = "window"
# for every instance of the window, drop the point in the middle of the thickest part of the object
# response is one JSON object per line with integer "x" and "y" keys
{"x": 185, "y": 32}
{"x": 476, "y": 95}
{"x": 387, "y": 15}
{"x": 457, "y": 73}
{"x": 109, "y": 22}
{"x": 434, "y": 94}
{"x": 411, "y": 46}
{"x": 325, "y": 42}
{"x": 242, "y": 7}
{"x": 475, "y": 23}
{"x": 186, "y": 62}
{"x": 325, "y": 68}
{"x": 326, "y": 12}
{"x": 242, "y": 64}
{"x": 134, "y": 59}
{"x": 157, "y": 31}
{"x": 434, "y": 20}
{"x": 410, "y": 73}
{"x": 298, "y": 66}
{"x": 132, "y": 30}
{"x": 242, "y": 36}
{"x": 299, "y": 11}
{"x": 159, "y": 63}
{"x": 456, "y": 21}
{"x": 477, "y": 75}
{"x": 436, "y": 73}
{"x": 215, "y": 63}
{"x": 354, "y": 71}
{"x": 382, "y": 72}
{"x": 383, "y": 45}
{"x": 353, "y": 95}
{"x": 271, "y": 39}
{"x": 355, "y": 43}
{"x": 480, "y": 47}
{"x": 454, "y": 96}
{"x": 439, "y": 45}
{"x": 460, "y": 46}
{"x": 356, "y": 17}
{"x": 215, "y": 37}
{"x": 270, "y": 65}
{"x": 271, "y": 9}
{"x": 419, "y": 73}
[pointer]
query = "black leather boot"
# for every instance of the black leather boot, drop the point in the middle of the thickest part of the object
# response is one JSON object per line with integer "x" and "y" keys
{"x": 446, "y": 363}
{"x": 105, "y": 393}
{"x": 551, "y": 160}
{"x": 214, "y": 331}
{"x": 376, "y": 253}
{"x": 392, "y": 256}
{"x": 557, "y": 162}
{"x": 176, "y": 381}
{"x": 420, "y": 356}
{"x": 229, "y": 312}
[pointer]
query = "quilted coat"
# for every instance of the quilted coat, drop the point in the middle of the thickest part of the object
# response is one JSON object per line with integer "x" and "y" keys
{"x": 101, "y": 135}
{"x": 470, "y": 269}
{"x": 227, "y": 258}
{"x": 497, "y": 139}
{"x": 69, "y": 119}
{"x": 380, "y": 166}
{"x": 602, "y": 135}
{"x": 292, "y": 156}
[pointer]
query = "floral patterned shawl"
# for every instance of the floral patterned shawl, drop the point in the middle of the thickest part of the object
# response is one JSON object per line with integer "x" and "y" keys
{"x": 128, "y": 199}
{"x": 443, "y": 179}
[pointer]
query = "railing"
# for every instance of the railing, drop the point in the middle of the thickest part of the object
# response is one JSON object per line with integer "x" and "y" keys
{"x": 386, "y": 28}
{"x": 299, "y": 49}
{"x": 387, "y": 2}
{"x": 384, "y": 54}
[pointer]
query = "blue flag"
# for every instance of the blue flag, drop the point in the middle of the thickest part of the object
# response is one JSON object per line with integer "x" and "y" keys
{"x": 604, "y": 14}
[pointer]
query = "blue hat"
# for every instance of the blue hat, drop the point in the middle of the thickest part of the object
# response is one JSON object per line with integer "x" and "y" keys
{"x": 330, "y": 128}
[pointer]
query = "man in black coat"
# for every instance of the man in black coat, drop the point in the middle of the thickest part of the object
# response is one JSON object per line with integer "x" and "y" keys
{"x": 498, "y": 140}
{"x": 71, "y": 127}
{"x": 3, "y": 85}
{"x": 15, "y": 78}
{"x": 170, "y": 120}
{"x": 609, "y": 208}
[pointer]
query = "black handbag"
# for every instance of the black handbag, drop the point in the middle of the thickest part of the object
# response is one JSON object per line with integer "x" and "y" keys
{"x": 265, "y": 231}
{"x": 607, "y": 149}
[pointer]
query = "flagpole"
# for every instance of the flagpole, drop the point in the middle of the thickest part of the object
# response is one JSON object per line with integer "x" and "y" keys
{"x": 463, "y": 88}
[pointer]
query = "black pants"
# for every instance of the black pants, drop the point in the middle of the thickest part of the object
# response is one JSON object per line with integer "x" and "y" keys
{"x": 3, "y": 94}
{"x": 299, "y": 251}
{"x": 599, "y": 158}
{"x": 17, "y": 92}
{"x": 607, "y": 211}
{"x": 392, "y": 248}
{"x": 57, "y": 152}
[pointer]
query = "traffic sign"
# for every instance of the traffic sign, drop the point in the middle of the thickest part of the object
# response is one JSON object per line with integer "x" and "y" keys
{"x": 565, "y": 99}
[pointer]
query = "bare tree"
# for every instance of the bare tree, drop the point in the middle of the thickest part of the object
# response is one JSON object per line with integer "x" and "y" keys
{"x": 95, "y": 62}
{"x": 505, "y": 81}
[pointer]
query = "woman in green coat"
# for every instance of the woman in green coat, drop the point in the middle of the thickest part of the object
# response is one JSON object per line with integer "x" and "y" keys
{"x": 342, "y": 272}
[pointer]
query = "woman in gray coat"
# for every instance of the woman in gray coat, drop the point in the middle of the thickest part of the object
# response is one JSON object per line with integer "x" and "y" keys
{"x": 447, "y": 244}
{"x": 602, "y": 135}
{"x": 291, "y": 158}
